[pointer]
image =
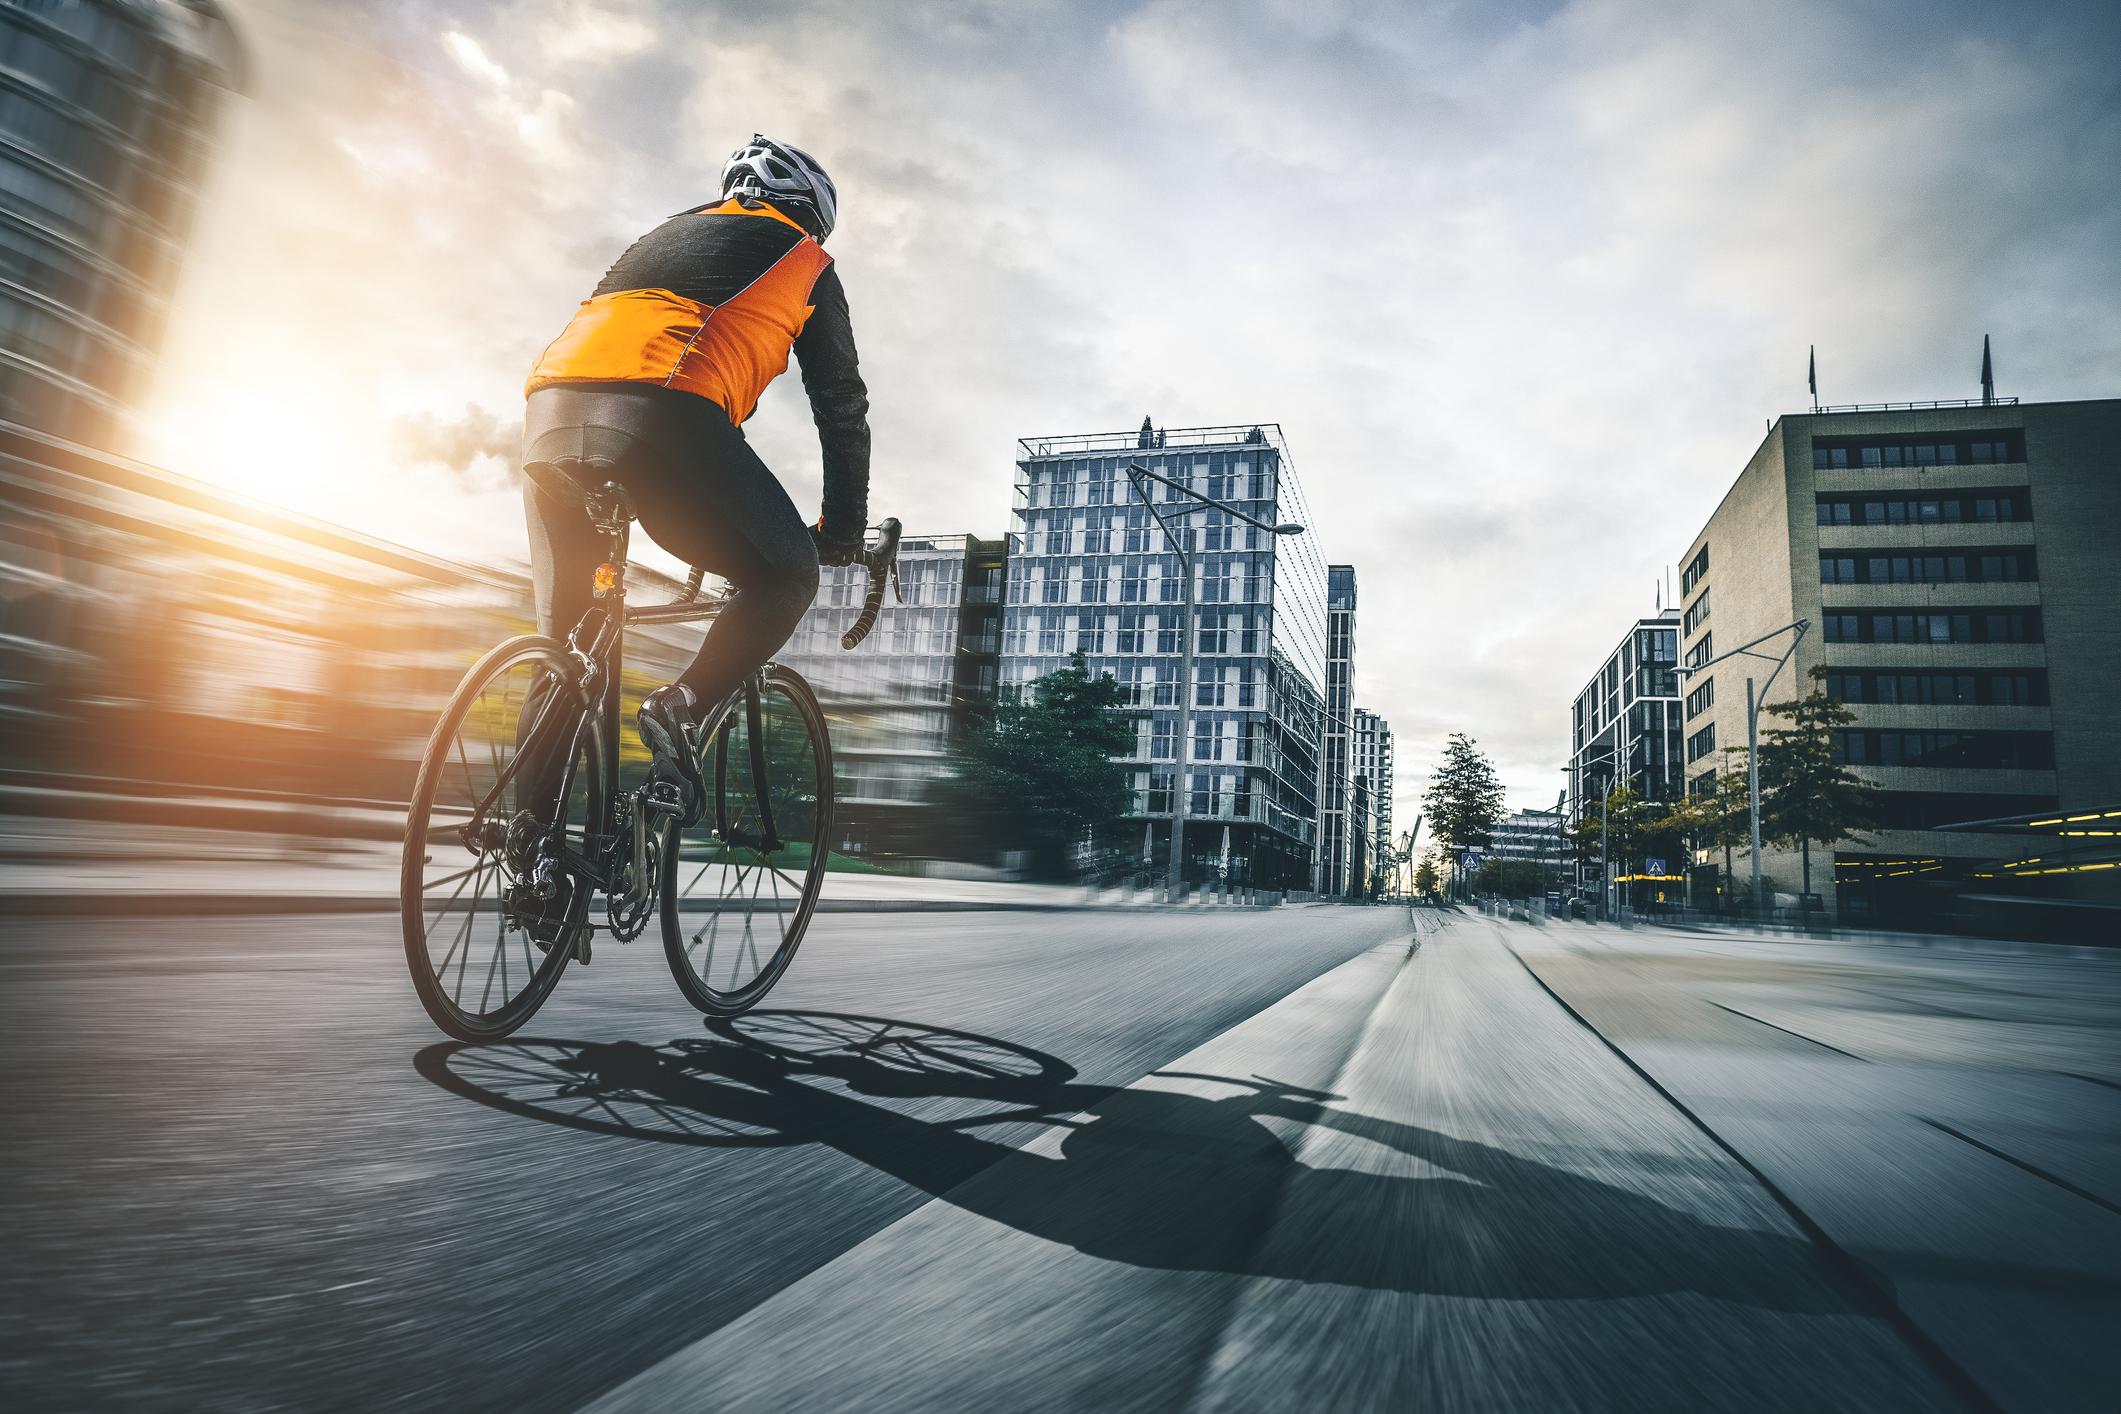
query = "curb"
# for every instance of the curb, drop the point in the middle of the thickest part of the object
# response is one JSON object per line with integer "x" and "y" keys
{"x": 213, "y": 905}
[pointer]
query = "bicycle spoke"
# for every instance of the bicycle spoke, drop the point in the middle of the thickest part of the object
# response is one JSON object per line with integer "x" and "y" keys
{"x": 450, "y": 879}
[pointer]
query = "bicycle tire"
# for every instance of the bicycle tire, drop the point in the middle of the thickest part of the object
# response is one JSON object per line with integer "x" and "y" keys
{"x": 725, "y": 765}
{"x": 587, "y": 740}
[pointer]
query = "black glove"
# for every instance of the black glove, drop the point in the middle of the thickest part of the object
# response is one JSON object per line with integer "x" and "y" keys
{"x": 834, "y": 548}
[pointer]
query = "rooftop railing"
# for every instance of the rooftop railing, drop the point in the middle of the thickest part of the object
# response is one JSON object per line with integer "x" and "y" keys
{"x": 1916, "y": 407}
{"x": 1267, "y": 434}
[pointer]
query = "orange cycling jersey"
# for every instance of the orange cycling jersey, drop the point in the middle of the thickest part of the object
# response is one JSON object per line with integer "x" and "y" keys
{"x": 732, "y": 302}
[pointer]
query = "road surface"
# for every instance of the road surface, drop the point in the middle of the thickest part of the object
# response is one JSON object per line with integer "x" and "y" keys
{"x": 1297, "y": 1158}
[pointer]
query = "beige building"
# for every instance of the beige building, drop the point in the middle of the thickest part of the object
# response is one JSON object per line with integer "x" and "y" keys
{"x": 1955, "y": 564}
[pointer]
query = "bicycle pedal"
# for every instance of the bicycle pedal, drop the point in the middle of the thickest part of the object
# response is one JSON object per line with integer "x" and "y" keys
{"x": 581, "y": 948}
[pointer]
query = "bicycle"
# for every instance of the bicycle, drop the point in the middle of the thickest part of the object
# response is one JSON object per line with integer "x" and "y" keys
{"x": 518, "y": 788}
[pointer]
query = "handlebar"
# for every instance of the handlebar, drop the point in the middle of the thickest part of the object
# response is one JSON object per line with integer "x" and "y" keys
{"x": 883, "y": 563}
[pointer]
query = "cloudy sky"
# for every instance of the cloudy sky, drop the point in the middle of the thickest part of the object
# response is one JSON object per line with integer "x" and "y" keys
{"x": 1521, "y": 283}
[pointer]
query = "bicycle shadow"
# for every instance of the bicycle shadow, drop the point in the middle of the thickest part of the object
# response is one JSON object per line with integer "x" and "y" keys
{"x": 1184, "y": 1179}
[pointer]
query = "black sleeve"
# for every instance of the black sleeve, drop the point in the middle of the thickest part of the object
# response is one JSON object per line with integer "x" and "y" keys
{"x": 839, "y": 403}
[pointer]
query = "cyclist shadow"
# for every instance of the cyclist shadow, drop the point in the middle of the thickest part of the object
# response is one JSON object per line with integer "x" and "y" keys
{"x": 1187, "y": 1172}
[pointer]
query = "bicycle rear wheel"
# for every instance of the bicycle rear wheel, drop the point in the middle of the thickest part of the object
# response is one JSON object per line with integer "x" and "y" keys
{"x": 736, "y": 901}
{"x": 508, "y": 785}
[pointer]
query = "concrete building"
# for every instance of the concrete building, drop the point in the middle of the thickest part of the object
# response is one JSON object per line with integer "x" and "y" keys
{"x": 105, "y": 111}
{"x": 1955, "y": 562}
{"x": 1370, "y": 762}
{"x": 1625, "y": 725}
{"x": 1335, "y": 775}
{"x": 900, "y": 701}
{"x": 1090, "y": 572}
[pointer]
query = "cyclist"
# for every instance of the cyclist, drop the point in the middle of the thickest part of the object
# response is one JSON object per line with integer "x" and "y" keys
{"x": 656, "y": 372}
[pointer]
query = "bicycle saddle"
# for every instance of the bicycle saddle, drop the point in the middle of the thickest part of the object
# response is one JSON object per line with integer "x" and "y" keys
{"x": 576, "y": 466}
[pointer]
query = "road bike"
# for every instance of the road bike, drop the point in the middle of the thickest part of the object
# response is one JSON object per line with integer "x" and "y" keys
{"x": 519, "y": 823}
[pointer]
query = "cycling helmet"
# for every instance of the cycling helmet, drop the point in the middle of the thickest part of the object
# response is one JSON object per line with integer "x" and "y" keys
{"x": 774, "y": 171}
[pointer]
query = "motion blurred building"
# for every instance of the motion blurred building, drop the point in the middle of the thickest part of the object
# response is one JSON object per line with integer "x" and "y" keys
{"x": 1371, "y": 762}
{"x": 1334, "y": 850}
{"x": 1625, "y": 726}
{"x": 1090, "y": 572}
{"x": 105, "y": 111}
{"x": 156, "y": 632}
{"x": 1955, "y": 562}
{"x": 901, "y": 700}
{"x": 1531, "y": 837}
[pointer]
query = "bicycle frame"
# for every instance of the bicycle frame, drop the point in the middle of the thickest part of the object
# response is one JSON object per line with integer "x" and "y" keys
{"x": 597, "y": 646}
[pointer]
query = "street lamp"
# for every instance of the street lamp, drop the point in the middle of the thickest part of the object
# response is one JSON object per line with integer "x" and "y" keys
{"x": 1627, "y": 773}
{"x": 1753, "y": 700}
{"x": 1137, "y": 474}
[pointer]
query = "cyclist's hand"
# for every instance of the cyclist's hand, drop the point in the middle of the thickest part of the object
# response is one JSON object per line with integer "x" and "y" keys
{"x": 835, "y": 548}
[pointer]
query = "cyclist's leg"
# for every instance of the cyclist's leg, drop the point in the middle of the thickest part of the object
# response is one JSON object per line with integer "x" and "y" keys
{"x": 717, "y": 505}
{"x": 564, "y": 551}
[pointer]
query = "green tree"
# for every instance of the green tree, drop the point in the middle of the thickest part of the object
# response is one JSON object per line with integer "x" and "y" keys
{"x": 1807, "y": 795}
{"x": 1426, "y": 879}
{"x": 1730, "y": 816}
{"x": 1464, "y": 798}
{"x": 1510, "y": 878}
{"x": 1627, "y": 825}
{"x": 1041, "y": 771}
{"x": 1691, "y": 821}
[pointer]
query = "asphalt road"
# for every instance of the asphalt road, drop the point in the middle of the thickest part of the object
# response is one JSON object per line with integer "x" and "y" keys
{"x": 1111, "y": 1160}
{"x": 235, "y": 1182}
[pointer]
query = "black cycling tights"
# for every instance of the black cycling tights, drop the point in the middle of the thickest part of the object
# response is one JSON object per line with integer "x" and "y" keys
{"x": 699, "y": 491}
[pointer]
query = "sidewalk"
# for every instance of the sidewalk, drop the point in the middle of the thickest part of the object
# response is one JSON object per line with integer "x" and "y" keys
{"x": 83, "y": 867}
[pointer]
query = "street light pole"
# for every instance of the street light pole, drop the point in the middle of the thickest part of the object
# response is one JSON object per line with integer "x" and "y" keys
{"x": 1752, "y": 784}
{"x": 1183, "y": 544}
{"x": 1137, "y": 474}
{"x": 1753, "y": 699}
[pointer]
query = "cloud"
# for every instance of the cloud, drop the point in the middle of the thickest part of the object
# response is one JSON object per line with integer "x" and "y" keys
{"x": 478, "y": 445}
{"x": 584, "y": 33}
{"x": 1521, "y": 282}
{"x": 471, "y": 57}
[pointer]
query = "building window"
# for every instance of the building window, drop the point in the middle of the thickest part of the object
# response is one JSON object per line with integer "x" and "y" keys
{"x": 1979, "y": 626}
{"x": 1986, "y": 448}
{"x": 1963, "y": 688}
{"x": 1696, "y": 570}
{"x": 1701, "y": 652}
{"x": 1697, "y": 614}
{"x": 1701, "y": 699}
{"x": 1996, "y": 566}
{"x": 1701, "y": 743}
{"x": 1995, "y": 751}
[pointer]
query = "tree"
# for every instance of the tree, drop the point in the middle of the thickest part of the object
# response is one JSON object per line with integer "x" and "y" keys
{"x": 1464, "y": 798}
{"x": 1806, "y": 794}
{"x": 1041, "y": 771}
{"x": 1616, "y": 836}
{"x": 1730, "y": 814}
{"x": 1691, "y": 820}
{"x": 1426, "y": 880}
{"x": 1510, "y": 878}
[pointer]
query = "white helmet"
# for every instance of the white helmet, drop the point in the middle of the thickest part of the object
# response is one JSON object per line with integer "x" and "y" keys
{"x": 774, "y": 171}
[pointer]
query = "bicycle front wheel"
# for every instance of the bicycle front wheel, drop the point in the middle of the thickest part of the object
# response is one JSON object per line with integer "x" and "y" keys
{"x": 738, "y": 888}
{"x": 491, "y": 894}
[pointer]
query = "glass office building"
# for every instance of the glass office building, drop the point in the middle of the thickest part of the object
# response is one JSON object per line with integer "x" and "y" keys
{"x": 1337, "y": 854}
{"x": 105, "y": 111}
{"x": 1370, "y": 761}
{"x": 898, "y": 701}
{"x": 1091, "y": 573}
{"x": 1625, "y": 726}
